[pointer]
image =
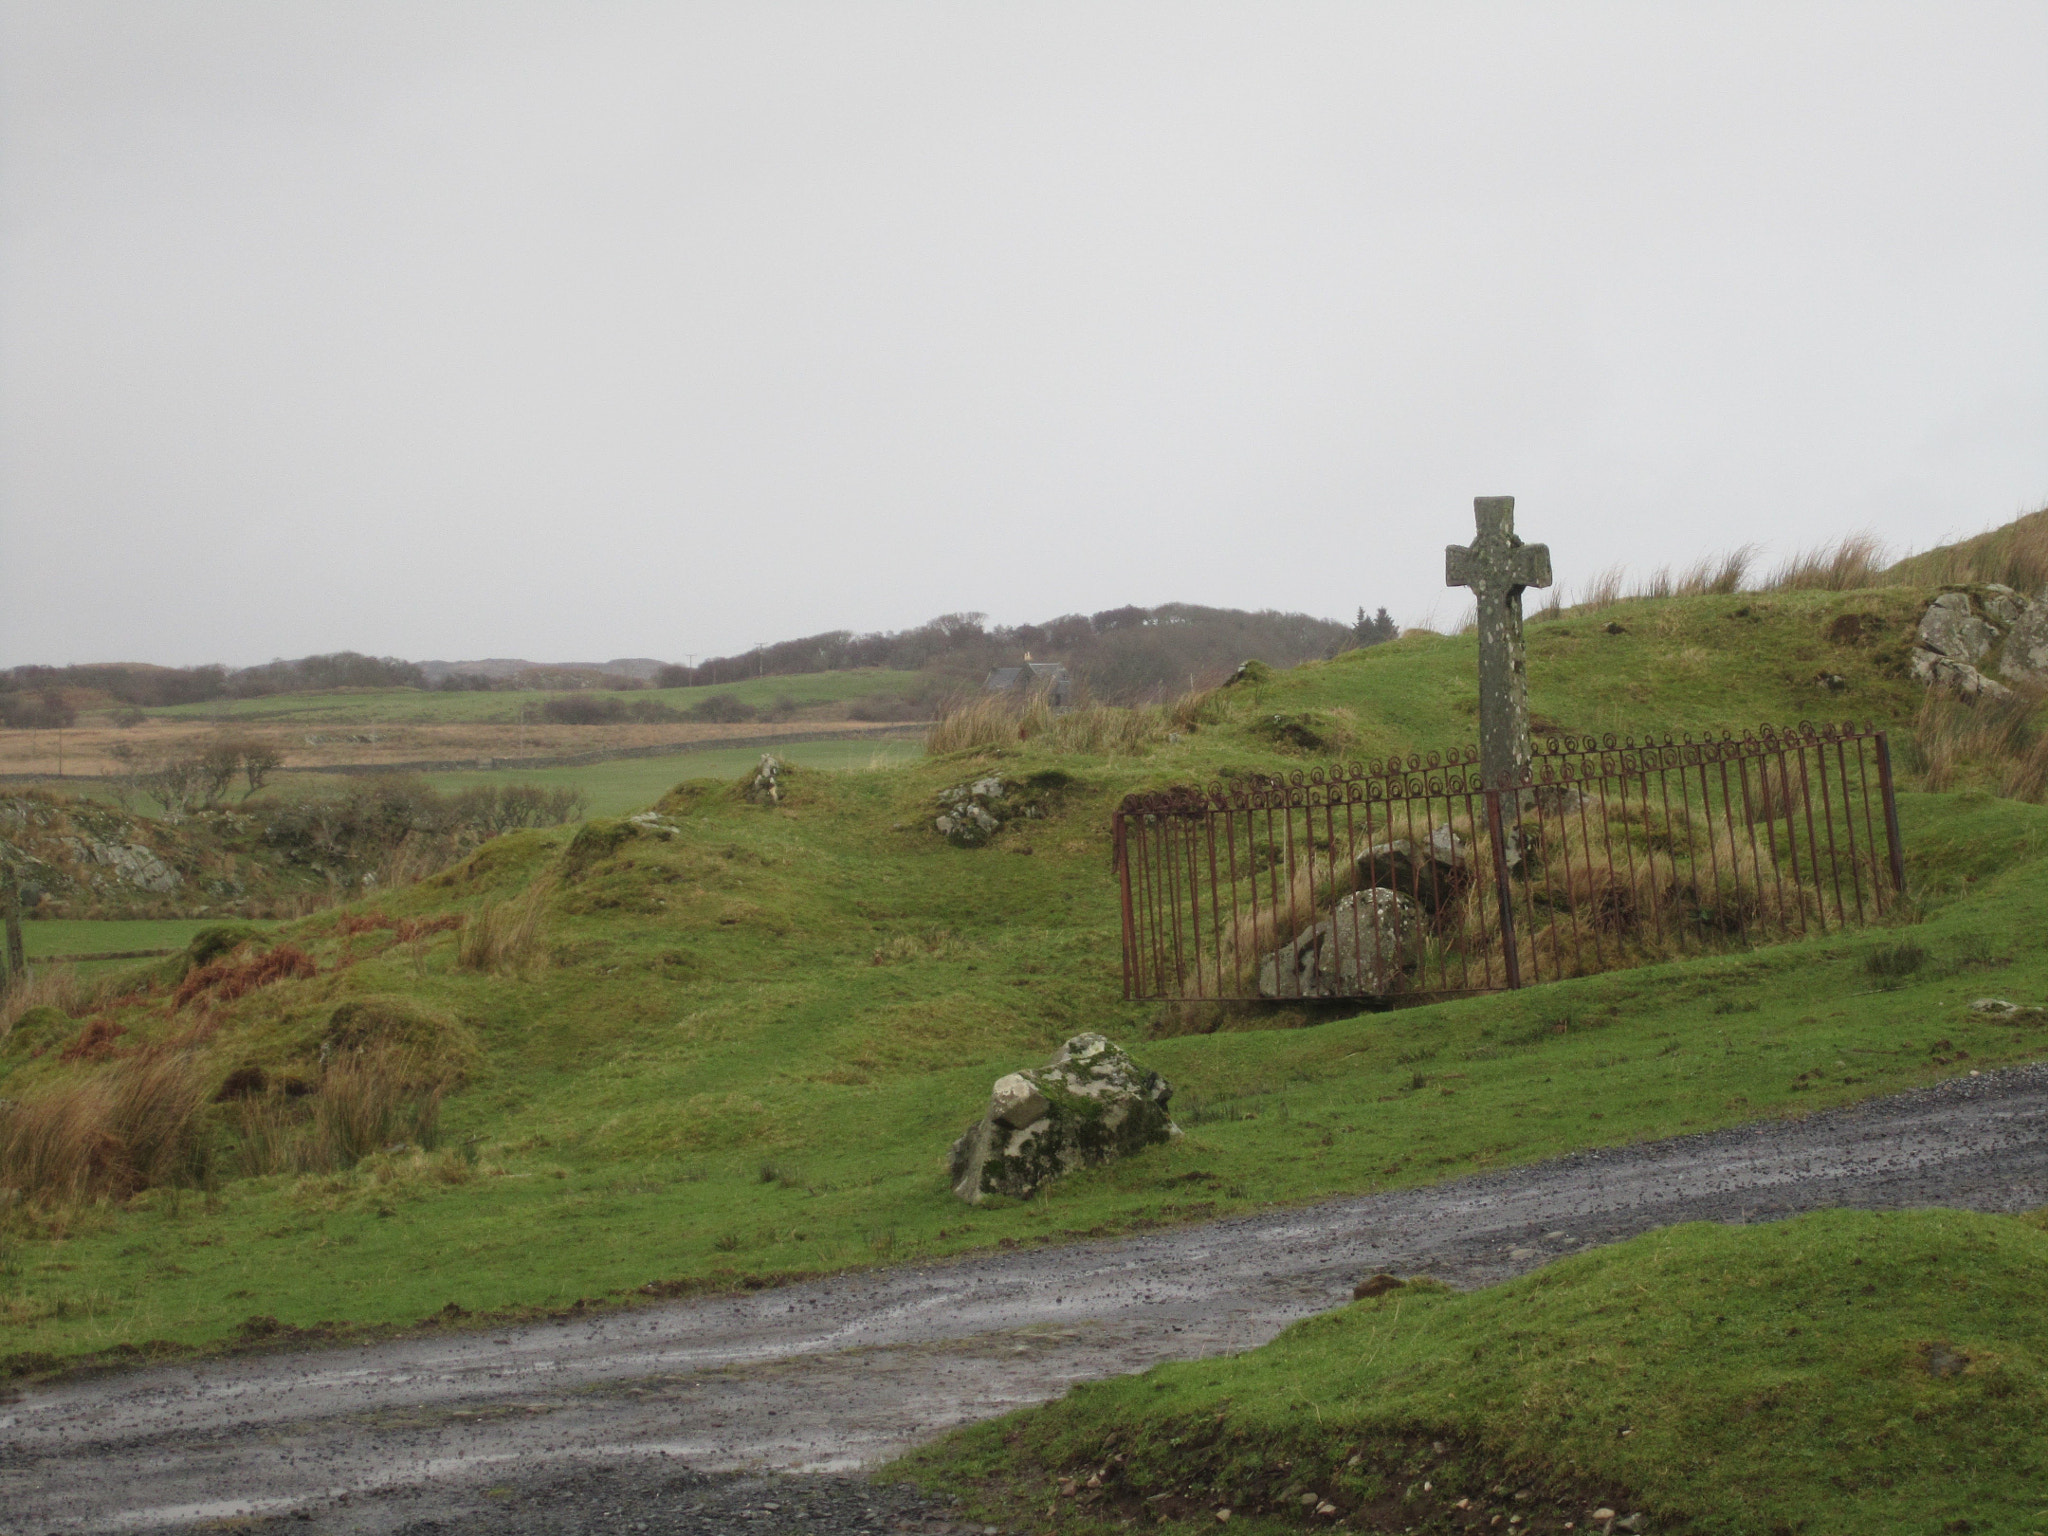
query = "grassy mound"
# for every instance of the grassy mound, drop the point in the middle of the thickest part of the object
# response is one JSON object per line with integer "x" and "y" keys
{"x": 1842, "y": 1372}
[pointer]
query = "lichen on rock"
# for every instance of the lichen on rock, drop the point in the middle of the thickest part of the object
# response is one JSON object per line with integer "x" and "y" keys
{"x": 1089, "y": 1104}
{"x": 970, "y": 815}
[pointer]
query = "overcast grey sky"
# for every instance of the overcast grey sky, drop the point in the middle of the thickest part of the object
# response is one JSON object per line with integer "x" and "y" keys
{"x": 588, "y": 329}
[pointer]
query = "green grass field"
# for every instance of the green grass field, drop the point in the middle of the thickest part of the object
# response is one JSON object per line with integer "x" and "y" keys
{"x": 614, "y": 787}
{"x": 740, "y": 1044}
{"x": 412, "y": 706}
{"x": 1845, "y": 1372}
{"x": 85, "y": 936}
{"x": 755, "y": 1038}
{"x": 631, "y": 784}
{"x": 82, "y": 936}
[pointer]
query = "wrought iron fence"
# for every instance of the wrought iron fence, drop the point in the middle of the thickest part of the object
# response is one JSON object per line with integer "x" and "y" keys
{"x": 1410, "y": 875}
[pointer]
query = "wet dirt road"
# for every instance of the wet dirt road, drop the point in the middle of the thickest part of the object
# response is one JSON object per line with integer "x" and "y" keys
{"x": 613, "y": 1422}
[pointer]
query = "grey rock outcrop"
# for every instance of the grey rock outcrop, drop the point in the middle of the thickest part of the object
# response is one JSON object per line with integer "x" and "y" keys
{"x": 1090, "y": 1104}
{"x": 1949, "y": 628}
{"x": 1966, "y": 634}
{"x": 970, "y": 815}
{"x": 767, "y": 786}
{"x": 2025, "y": 658}
{"x": 1360, "y": 949}
{"x": 131, "y": 864}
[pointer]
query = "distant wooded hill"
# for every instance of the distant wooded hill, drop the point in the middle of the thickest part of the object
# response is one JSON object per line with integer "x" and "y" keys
{"x": 1121, "y": 654}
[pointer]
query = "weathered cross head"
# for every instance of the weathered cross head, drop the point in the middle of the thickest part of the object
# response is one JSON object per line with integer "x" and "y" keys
{"x": 1496, "y": 564}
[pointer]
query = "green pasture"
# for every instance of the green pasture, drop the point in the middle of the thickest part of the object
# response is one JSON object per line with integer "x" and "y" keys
{"x": 614, "y": 787}
{"x": 736, "y": 1045}
{"x": 86, "y": 936}
{"x": 44, "y": 939}
{"x": 413, "y": 706}
{"x": 1855, "y": 1373}
{"x": 634, "y": 783}
{"x": 750, "y": 1042}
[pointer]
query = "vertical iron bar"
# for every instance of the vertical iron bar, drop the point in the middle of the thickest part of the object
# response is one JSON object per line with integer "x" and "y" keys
{"x": 1896, "y": 845}
{"x": 1849, "y": 824}
{"x": 1792, "y": 833}
{"x": 1509, "y": 957}
{"x": 1820, "y": 892}
{"x": 1869, "y": 825}
{"x": 1827, "y": 819}
{"x": 1123, "y": 880}
{"x": 1713, "y": 843}
{"x": 1664, "y": 793}
{"x": 1236, "y": 917}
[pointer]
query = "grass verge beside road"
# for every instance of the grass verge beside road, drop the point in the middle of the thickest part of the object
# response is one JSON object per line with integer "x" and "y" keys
{"x": 1842, "y": 1372}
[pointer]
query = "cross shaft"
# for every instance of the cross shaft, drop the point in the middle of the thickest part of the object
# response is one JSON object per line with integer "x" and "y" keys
{"x": 1497, "y": 566}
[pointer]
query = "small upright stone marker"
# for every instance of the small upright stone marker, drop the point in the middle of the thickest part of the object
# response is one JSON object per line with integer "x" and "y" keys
{"x": 1497, "y": 567}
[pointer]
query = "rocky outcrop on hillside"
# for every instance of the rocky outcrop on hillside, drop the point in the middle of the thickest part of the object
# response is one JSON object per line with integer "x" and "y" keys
{"x": 970, "y": 815}
{"x": 76, "y": 858}
{"x": 1968, "y": 633}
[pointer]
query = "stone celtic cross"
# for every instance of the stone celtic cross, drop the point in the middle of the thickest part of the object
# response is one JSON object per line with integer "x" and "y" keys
{"x": 1497, "y": 567}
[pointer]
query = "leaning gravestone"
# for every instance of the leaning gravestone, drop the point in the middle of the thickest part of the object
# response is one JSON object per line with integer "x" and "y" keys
{"x": 1497, "y": 566}
{"x": 1090, "y": 1104}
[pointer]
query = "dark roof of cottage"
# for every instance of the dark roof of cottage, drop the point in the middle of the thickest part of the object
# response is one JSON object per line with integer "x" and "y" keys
{"x": 1006, "y": 677}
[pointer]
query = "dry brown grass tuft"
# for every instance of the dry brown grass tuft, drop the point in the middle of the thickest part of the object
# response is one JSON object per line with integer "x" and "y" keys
{"x": 1858, "y": 560}
{"x": 505, "y": 936}
{"x": 370, "y": 1100}
{"x": 1603, "y": 591}
{"x": 975, "y": 723}
{"x": 1716, "y": 577}
{"x": 991, "y": 721}
{"x": 1997, "y": 741}
{"x": 2015, "y": 555}
{"x": 226, "y": 980}
{"x": 48, "y": 986}
{"x": 123, "y": 1129}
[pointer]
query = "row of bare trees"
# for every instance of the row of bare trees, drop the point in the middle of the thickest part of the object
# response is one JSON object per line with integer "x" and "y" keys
{"x": 183, "y": 777}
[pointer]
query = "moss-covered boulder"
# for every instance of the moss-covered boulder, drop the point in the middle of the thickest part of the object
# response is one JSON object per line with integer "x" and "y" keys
{"x": 36, "y": 1030}
{"x": 1090, "y": 1104}
{"x": 435, "y": 1046}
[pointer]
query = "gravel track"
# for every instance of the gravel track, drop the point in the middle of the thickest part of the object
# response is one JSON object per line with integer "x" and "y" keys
{"x": 756, "y": 1412}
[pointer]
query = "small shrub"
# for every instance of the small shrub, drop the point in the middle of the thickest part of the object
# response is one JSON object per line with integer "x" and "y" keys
{"x": 1895, "y": 960}
{"x": 436, "y": 1047}
{"x": 722, "y": 709}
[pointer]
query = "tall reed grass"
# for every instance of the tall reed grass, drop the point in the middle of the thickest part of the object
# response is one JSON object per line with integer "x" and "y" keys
{"x": 984, "y": 722}
{"x": 2015, "y": 555}
{"x": 48, "y": 986}
{"x": 1999, "y": 740}
{"x": 376, "y": 1099}
{"x": 1857, "y": 560}
{"x": 122, "y": 1129}
{"x": 505, "y": 936}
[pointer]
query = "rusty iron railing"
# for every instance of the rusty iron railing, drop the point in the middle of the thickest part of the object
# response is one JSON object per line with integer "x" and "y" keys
{"x": 1409, "y": 875}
